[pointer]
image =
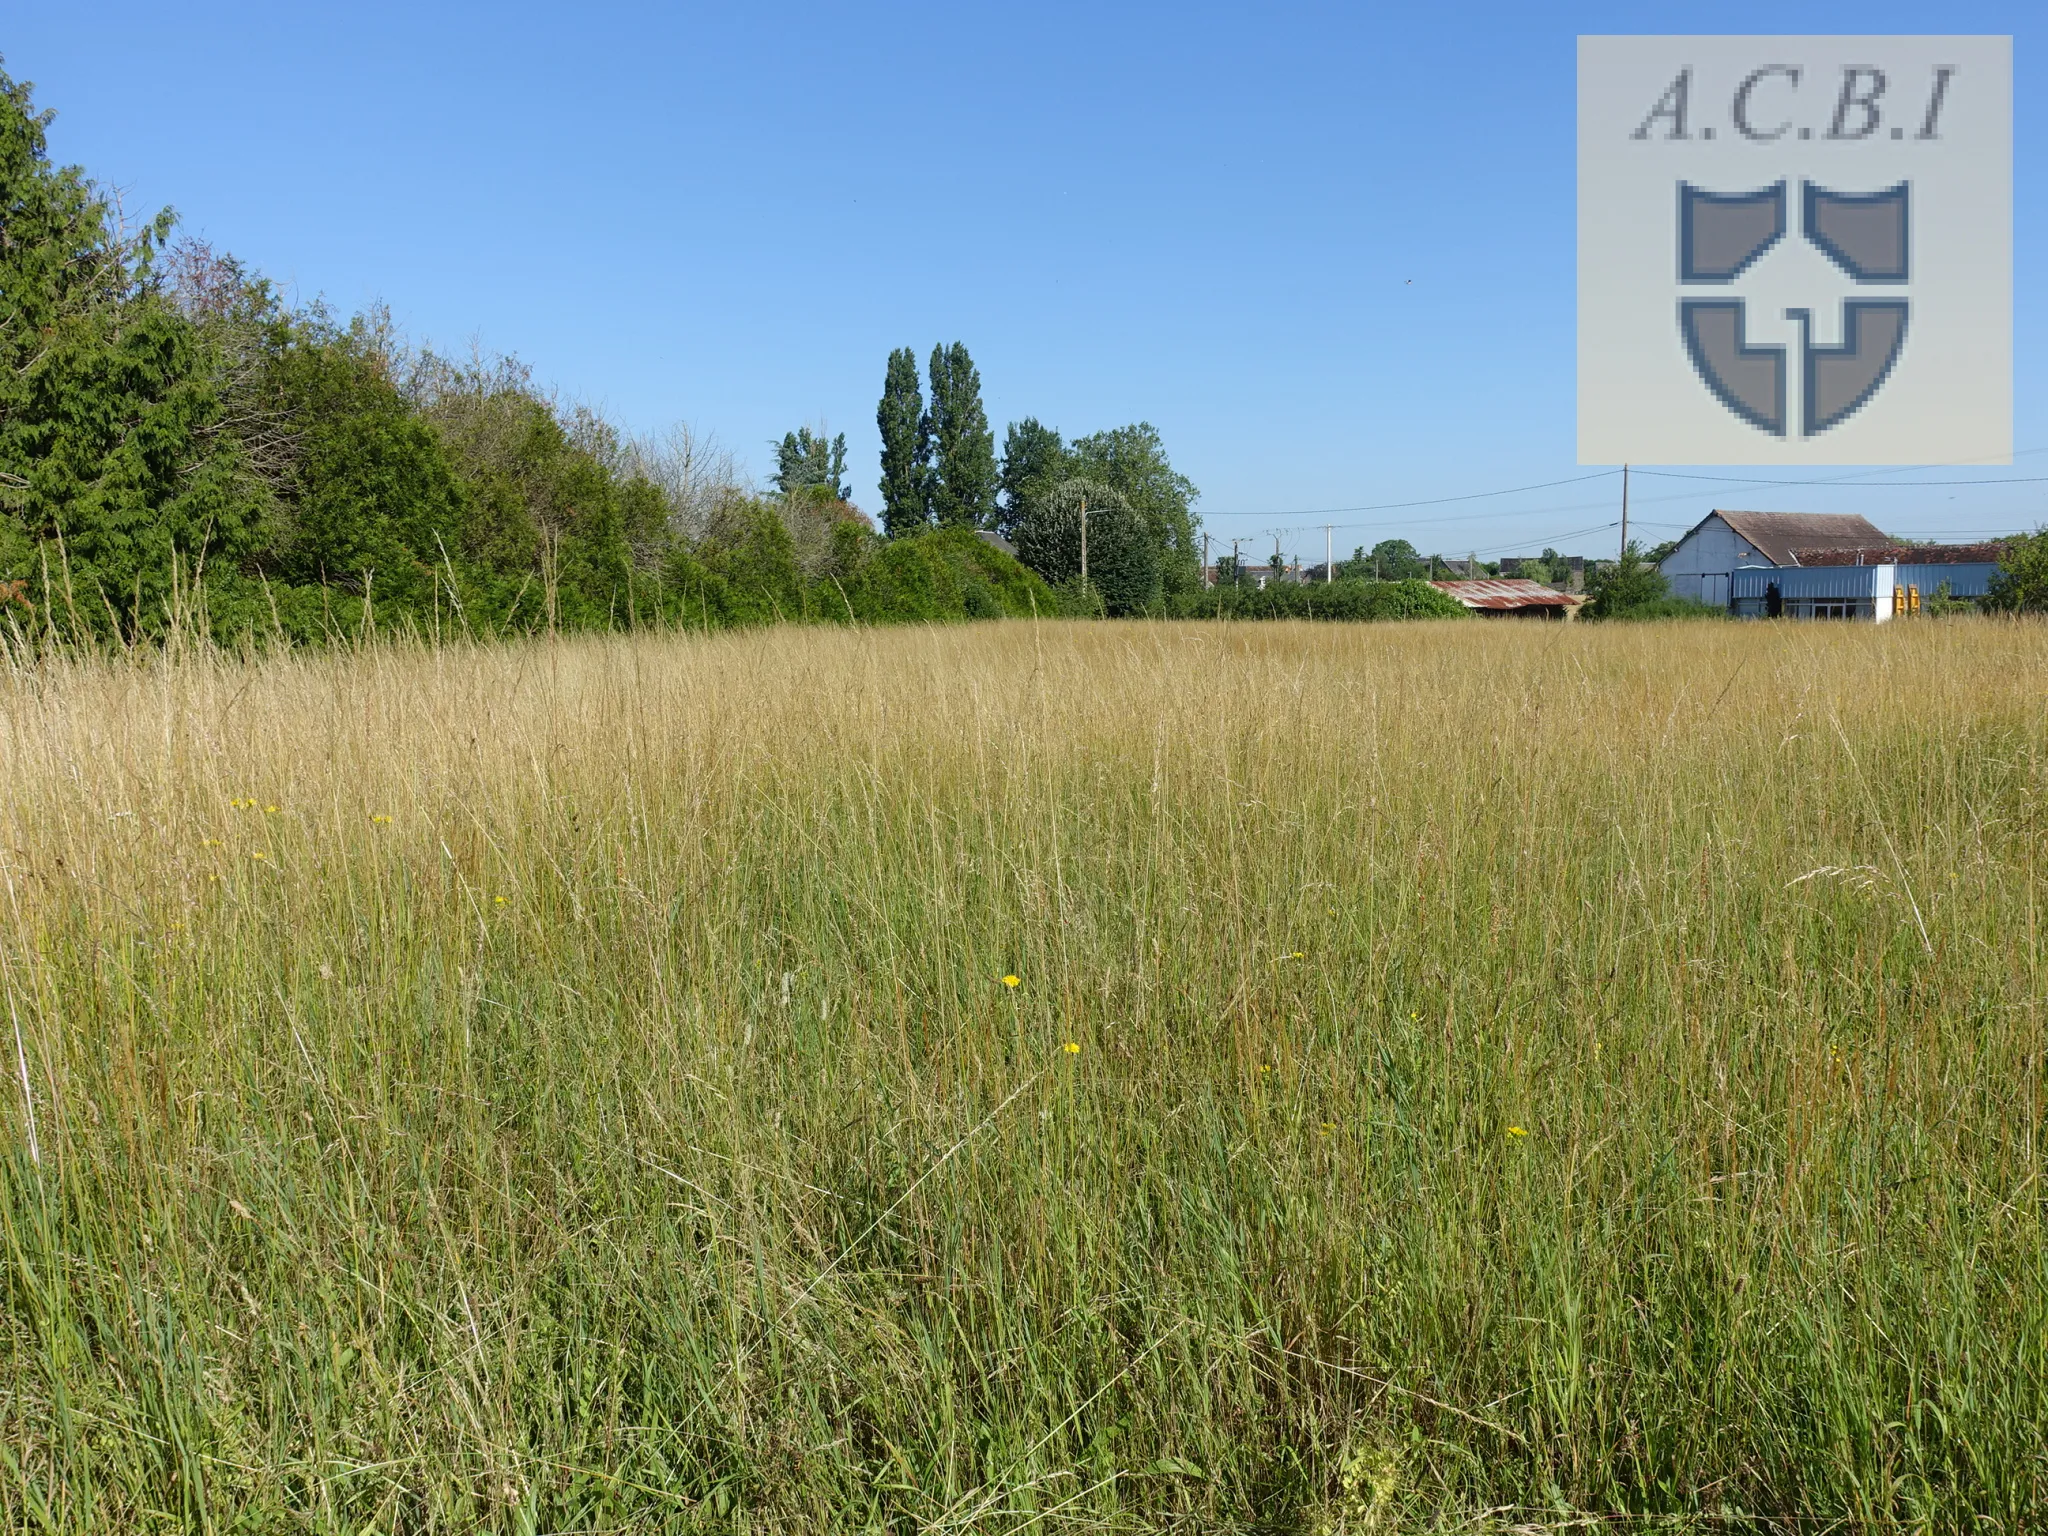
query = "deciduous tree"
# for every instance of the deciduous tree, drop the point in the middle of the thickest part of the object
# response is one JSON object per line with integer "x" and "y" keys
{"x": 1629, "y": 583}
{"x": 1034, "y": 460}
{"x": 2020, "y": 585}
{"x": 1132, "y": 461}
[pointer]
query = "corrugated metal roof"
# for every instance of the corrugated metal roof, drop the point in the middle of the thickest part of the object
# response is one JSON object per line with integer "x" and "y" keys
{"x": 1783, "y": 536}
{"x": 1904, "y": 554}
{"x": 1505, "y": 593}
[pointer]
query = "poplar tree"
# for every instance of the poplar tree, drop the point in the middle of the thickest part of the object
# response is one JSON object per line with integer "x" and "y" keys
{"x": 964, "y": 447}
{"x": 906, "y": 447}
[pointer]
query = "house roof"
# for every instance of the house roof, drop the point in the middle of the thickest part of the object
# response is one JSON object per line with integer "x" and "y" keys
{"x": 1507, "y": 593}
{"x": 1904, "y": 554}
{"x": 1782, "y": 537}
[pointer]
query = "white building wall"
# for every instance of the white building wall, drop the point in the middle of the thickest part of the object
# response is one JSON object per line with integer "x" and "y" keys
{"x": 1705, "y": 558}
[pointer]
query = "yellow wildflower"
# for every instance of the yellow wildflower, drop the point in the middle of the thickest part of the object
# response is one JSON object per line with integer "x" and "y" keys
{"x": 1072, "y": 1048}
{"x": 1516, "y": 1130}
{"x": 1011, "y": 981}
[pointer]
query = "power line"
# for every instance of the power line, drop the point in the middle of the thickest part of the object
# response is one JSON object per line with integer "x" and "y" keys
{"x": 1438, "y": 501}
{"x": 1860, "y": 479}
{"x": 1550, "y": 538}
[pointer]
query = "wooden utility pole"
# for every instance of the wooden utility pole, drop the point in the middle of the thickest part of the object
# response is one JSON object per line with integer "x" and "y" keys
{"x": 1329, "y": 554}
{"x": 1624, "y": 509}
{"x": 1084, "y": 541}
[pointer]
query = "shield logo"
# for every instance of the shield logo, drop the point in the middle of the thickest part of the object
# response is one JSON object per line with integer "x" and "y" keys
{"x": 1723, "y": 235}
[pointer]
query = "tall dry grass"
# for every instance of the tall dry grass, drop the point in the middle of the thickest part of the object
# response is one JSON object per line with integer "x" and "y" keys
{"x": 1520, "y": 1072}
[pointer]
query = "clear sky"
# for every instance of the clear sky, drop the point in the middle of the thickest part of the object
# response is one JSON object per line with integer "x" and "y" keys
{"x": 1274, "y": 231}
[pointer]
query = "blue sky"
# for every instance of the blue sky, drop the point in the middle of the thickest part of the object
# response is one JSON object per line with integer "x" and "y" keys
{"x": 1270, "y": 230}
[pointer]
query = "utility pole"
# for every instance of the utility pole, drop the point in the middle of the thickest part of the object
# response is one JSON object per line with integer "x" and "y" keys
{"x": 1329, "y": 555}
{"x": 1624, "y": 509}
{"x": 1236, "y": 570}
{"x": 1084, "y": 541}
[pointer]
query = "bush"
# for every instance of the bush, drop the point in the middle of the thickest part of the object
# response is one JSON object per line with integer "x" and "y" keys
{"x": 2020, "y": 585}
{"x": 1628, "y": 585}
{"x": 1343, "y": 599}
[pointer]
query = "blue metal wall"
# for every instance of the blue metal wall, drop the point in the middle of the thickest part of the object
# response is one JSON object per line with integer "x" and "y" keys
{"x": 1809, "y": 583}
{"x": 1853, "y": 583}
{"x": 1963, "y": 580}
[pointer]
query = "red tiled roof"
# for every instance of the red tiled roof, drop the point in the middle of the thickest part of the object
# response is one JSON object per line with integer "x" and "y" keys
{"x": 1904, "y": 554}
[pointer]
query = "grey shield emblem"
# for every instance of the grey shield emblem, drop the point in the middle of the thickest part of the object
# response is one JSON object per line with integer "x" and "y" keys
{"x": 1722, "y": 235}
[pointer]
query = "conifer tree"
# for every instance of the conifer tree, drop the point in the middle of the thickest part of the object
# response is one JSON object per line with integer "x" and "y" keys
{"x": 110, "y": 447}
{"x": 804, "y": 460}
{"x": 964, "y": 447}
{"x": 906, "y": 447}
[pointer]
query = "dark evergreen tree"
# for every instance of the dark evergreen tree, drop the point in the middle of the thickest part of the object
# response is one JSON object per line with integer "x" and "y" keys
{"x": 906, "y": 447}
{"x": 1034, "y": 459}
{"x": 964, "y": 446}
{"x": 112, "y": 457}
{"x": 803, "y": 461}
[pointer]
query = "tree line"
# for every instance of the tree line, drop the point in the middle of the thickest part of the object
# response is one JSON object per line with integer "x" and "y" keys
{"x": 178, "y": 444}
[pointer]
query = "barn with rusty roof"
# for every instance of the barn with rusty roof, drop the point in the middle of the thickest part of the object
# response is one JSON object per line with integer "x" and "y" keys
{"x": 1513, "y": 598}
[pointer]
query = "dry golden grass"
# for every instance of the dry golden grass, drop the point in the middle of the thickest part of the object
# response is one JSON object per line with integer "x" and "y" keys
{"x": 570, "y": 1085}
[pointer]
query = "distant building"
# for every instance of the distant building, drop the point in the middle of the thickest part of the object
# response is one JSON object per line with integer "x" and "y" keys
{"x": 1499, "y": 597}
{"x": 1258, "y": 576}
{"x": 995, "y": 540}
{"x": 1821, "y": 565}
{"x": 1721, "y": 543}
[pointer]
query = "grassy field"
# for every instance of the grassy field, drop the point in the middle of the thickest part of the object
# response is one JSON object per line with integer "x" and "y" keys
{"x": 1458, "y": 1075}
